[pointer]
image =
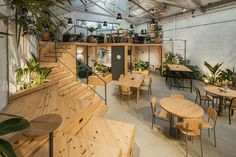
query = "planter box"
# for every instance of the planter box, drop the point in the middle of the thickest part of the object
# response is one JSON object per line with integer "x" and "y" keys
{"x": 94, "y": 80}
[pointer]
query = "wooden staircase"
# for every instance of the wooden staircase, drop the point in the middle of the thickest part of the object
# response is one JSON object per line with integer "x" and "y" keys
{"x": 84, "y": 132}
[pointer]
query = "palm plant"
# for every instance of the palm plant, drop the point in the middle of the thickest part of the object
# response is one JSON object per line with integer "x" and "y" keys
{"x": 212, "y": 78}
{"x": 11, "y": 125}
{"x": 225, "y": 75}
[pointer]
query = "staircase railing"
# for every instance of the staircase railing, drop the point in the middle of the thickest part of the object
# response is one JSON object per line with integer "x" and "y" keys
{"x": 83, "y": 72}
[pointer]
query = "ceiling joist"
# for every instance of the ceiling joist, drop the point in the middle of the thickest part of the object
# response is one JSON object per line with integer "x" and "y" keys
{"x": 198, "y": 5}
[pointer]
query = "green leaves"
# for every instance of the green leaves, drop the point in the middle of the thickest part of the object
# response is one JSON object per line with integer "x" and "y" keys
{"x": 9, "y": 126}
{"x": 6, "y": 149}
{"x": 32, "y": 75}
{"x": 13, "y": 125}
{"x": 35, "y": 15}
{"x": 214, "y": 72}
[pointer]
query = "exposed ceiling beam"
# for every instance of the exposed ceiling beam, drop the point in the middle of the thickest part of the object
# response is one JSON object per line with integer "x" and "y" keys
{"x": 110, "y": 12}
{"x": 173, "y": 4}
{"x": 138, "y": 5}
{"x": 198, "y": 5}
{"x": 218, "y": 3}
{"x": 101, "y": 7}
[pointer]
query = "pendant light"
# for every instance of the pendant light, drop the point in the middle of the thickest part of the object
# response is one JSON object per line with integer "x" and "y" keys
{"x": 105, "y": 23}
{"x": 70, "y": 22}
{"x": 119, "y": 17}
{"x": 131, "y": 26}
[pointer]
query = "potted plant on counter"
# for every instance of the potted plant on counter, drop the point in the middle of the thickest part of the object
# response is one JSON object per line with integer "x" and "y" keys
{"x": 158, "y": 33}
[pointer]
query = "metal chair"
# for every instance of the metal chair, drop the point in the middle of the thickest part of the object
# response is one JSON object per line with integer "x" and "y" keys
{"x": 191, "y": 128}
{"x": 204, "y": 98}
{"x": 231, "y": 107}
{"x": 159, "y": 113}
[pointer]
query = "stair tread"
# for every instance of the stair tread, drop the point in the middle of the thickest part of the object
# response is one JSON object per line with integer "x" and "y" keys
{"x": 68, "y": 86}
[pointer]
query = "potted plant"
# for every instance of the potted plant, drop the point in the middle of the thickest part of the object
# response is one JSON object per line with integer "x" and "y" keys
{"x": 213, "y": 76}
{"x": 66, "y": 37}
{"x": 32, "y": 74}
{"x": 158, "y": 33}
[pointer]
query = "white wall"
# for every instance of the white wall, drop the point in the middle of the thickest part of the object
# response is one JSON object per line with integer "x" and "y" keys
{"x": 16, "y": 55}
{"x": 210, "y": 37}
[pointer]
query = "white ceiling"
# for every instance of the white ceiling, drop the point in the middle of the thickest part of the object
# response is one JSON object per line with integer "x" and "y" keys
{"x": 138, "y": 11}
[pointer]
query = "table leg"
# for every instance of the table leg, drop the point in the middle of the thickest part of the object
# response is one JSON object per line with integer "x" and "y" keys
{"x": 220, "y": 106}
{"x": 137, "y": 95}
{"x": 51, "y": 144}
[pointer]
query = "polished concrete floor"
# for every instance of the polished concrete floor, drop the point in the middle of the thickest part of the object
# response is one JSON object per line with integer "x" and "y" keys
{"x": 157, "y": 142}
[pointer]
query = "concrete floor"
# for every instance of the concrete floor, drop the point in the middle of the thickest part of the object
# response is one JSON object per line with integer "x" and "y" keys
{"x": 157, "y": 142}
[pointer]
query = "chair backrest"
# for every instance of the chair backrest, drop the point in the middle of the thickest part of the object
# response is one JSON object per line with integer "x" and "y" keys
{"x": 233, "y": 103}
{"x": 193, "y": 125}
{"x": 153, "y": 104}
{"x": 177, "y": 96}
{"x": 125, "y": 89}
{"x": 212, "y": 114}
{"x": 198, "y": 93}
{"x": 121, "y": 77}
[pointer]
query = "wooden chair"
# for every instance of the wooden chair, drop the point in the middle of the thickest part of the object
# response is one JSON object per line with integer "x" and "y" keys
{"x": 147, "y": 86}
{"x": 126, "y": 90}
{"x": 177, "y": 96}
{"x": 231, "y": 107}
{"x": 191, "y": 128}
{"x": 159, "y": 113}
{"x": 204, "y": 98}
{"x": 212, "y": 117}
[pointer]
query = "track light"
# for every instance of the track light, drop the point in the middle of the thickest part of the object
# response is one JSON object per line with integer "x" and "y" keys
{"x": 119, "y": 17}
{"x": 183, "y": 10}
{"x": 193, "y": 11}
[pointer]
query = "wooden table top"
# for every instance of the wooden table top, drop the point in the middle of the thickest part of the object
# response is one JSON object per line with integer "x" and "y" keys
{"x": 132, "y": 80}
{"x": 220, "y": 91}
{"x": 43, "y": 125}
{"x": 181, "y": 68}
{"x": 181, "y": 107}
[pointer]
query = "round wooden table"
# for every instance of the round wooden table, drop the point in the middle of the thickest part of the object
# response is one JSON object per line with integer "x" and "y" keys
{"x": 181, "y": 108}
{"x": 221, "y": 92}
{"x": 44, "y": 125}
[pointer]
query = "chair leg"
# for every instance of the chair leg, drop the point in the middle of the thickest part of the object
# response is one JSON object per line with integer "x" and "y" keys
{"x": 196, "y": 100}
{"x": 200, "y": 102}
{"x": 208, "y": 132}
{"x": 186, "y": 142}
{"x": 152, "y": 122}
{"x": 229, "y": 117}
{"x": 201, "y": 145}
{"x": 213, "y": 103}
{"x": 208, "y": 103}
{"x": 215, "y": 137}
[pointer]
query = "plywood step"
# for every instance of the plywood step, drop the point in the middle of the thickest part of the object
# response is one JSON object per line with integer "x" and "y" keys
{"x": 59, "y": 75}
{"x": 70, "y": 89}
{"x": 71, "y": 84}
{"x": 48, "y": 59}
{"x": 65, "y": 81}
{"x": 110, "y": 132}
{"x": 72, "y": 146}
{"x": 76, "y": 91}
{"x": 49, "y": 64}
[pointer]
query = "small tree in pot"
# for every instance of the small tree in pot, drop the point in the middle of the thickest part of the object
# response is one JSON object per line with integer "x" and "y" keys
{"x": 158, "y": 33}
